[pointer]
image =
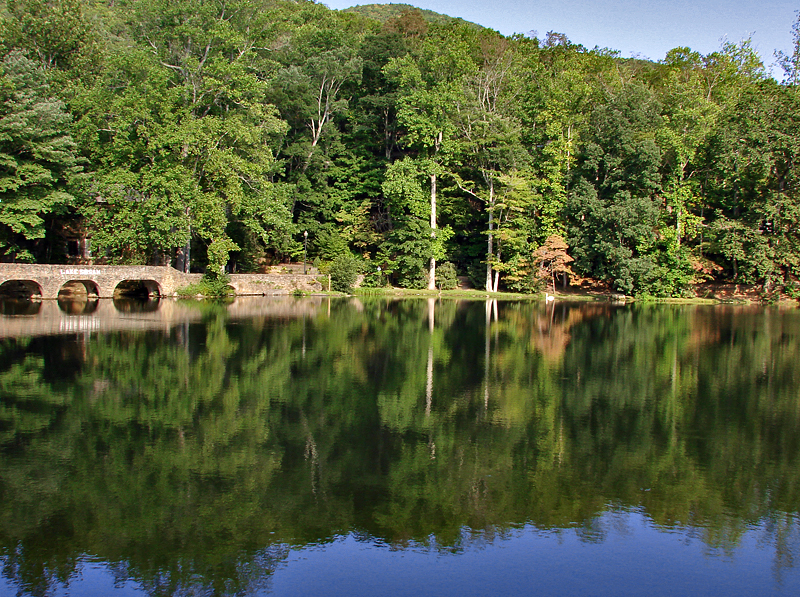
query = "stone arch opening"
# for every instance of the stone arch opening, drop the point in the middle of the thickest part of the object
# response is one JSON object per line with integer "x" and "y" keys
{"x": 20, "y": 289}
{"x": 78, "y": 290}
{"x": 137, "y": 289}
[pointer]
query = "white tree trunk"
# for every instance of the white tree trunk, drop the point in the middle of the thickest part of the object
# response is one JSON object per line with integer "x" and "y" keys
{"x": 490, "y": 242}
{"x": 432, "y": 268}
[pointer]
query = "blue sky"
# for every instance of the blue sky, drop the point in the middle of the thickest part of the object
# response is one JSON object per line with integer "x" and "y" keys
{"x": 647, "y": 28}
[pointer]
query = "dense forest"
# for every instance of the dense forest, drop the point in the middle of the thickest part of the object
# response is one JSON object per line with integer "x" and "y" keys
{"x": 211, "y": 134}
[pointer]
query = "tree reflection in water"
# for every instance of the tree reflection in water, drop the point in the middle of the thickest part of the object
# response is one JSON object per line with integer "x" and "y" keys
{"x": 197, "y": 457}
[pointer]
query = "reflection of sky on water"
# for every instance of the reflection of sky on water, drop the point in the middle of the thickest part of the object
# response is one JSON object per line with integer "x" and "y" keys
{"x": 632, "y": 558}
{"x": 623, "y": 553}
{"x": 94, "y": 579}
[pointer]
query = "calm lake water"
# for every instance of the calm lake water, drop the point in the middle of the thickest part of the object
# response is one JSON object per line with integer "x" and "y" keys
{"x": 411, "y": 447}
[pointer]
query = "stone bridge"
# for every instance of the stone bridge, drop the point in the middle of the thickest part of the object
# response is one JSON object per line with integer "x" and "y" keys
{"x": 47, "y": 281}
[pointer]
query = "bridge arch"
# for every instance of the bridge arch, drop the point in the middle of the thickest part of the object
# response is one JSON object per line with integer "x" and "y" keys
{"x": 135, "y": 287}
{"x": 78, "y": 289}
{"x": 20, "y": 289}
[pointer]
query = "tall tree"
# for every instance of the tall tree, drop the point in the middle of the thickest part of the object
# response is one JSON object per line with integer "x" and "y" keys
{"x": 37, "y": 157}
{"x": 429, "y": 90}
{"x": 613, "y": 205}
{"x": 790, "y": 63}
{"x": 489, "y": 136}
{"x": 183, "y": 138}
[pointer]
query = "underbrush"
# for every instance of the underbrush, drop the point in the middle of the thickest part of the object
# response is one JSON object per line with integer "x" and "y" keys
{"x": 214, "y": 286}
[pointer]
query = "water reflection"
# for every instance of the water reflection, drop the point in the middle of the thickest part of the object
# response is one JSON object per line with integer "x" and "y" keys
{"x": 136, "y": 305}
{"x": 19, "y": 307}
{"x": 196, "y": 451}
{"x": 76, "y": 306}
{"x": 104, "y": 315}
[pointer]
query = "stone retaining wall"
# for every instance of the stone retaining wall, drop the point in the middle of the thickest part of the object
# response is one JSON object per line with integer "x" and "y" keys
{"x": 269, "y": 284}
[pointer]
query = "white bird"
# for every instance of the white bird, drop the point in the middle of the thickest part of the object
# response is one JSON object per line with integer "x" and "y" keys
{"x": 548, "y": 298}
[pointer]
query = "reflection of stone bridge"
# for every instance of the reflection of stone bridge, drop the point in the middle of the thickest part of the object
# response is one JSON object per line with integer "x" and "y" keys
{"x": 47, "y": 281}
{"x": 44, "y": 318}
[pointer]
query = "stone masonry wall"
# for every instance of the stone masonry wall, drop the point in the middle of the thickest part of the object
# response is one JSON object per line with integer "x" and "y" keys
{"x": 103, "y": 279}
{"x": 267, "y": 284}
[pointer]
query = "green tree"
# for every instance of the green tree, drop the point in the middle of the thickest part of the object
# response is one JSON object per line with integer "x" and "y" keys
{"x": 752, "y": 185}
{"x": 54, "y": 32}
{"x": 489, "y": 138}
{"x": 37, "y": 157}
{"x": 429, "y": 91}
{"x": 183, "y": 141}
{"x": 409, "y": 243}
{"x": 790, "y": 63}
{"x": 613, "y": 208}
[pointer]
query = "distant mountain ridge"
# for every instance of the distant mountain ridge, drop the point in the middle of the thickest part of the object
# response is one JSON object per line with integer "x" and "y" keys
{"x": 385, "y": 12}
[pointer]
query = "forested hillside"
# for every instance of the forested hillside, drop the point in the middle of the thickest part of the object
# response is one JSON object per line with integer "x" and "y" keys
{"x": 213, "y": 134}
{"x": 386, "y": 12}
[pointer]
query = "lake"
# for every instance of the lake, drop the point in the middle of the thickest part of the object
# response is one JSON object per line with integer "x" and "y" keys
{"x": 363, "y": 446}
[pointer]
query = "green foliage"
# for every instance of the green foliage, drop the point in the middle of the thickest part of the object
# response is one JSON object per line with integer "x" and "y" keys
{"x": 219, "y": 132}
{"x": 792, "y": 290}
{"x": 211, "y": 286}
{"x": 343, "y": 271}
{"x": 390, "y": 12}
{"x": 446, "y": 276}
{"x": 613, "y": 206}
{"x": 329, "y": 244}
{"x": 37, "y": 156}
{"x": 375, "y": 276}
{"x": 57, "y": 33}
{"x": 406, "y": 251}
{"x": 182, "y": 142}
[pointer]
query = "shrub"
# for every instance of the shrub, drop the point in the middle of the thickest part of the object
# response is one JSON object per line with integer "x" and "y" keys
{"x": 446, "y": 276}
{"x": 212, "y": 285}
{"x": 375, "y": 279}
{"x": 416, "y": 279}
{"x": 343, "y": 272}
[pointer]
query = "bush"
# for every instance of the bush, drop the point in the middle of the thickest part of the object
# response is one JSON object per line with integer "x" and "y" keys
{"x": 375, "y": 279}
{"x": 792, "y": 290}
{"x": 446, "y": 276}
{"x": 212, "y": 285}
{"x": 416, "y": 279}
{"x": 343, "y": 272}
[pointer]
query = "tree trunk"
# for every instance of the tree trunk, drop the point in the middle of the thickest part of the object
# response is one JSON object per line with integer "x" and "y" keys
{"x": 432, "y": 268}
{"x": 490, "y": 242}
